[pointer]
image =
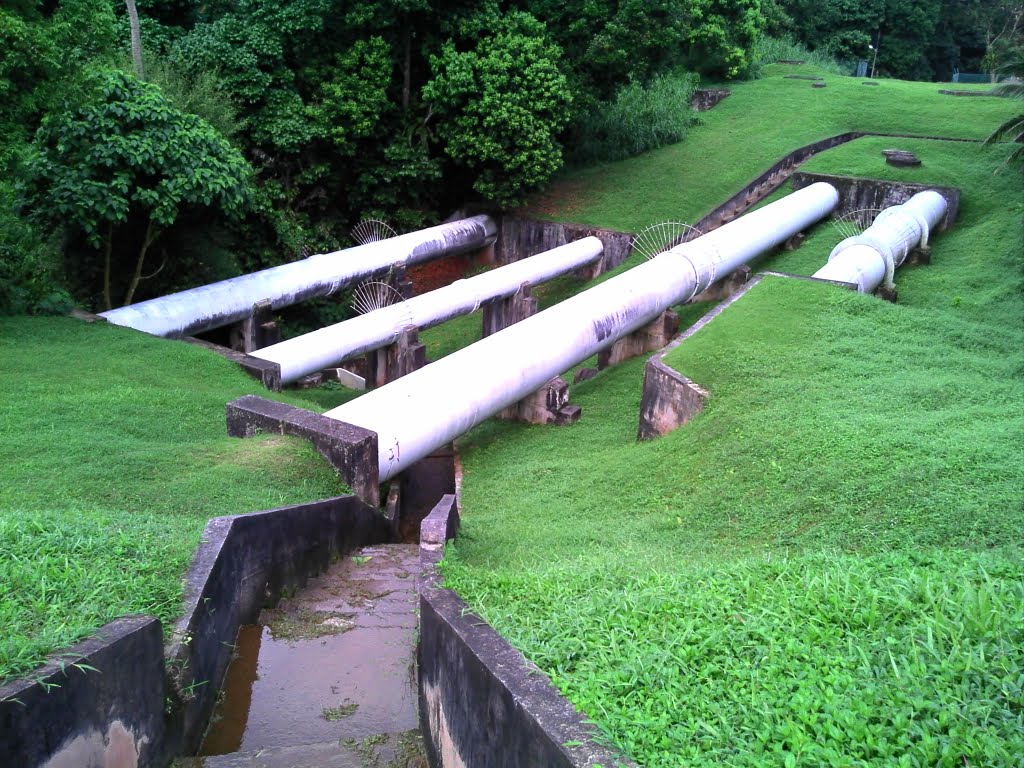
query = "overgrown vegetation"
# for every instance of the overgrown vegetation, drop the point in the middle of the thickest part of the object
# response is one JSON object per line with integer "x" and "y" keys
{"x": 337, "y": 111}
{"x": 825, "y": 566}
{"x": 772, "y": 50}
{"x": 114, "y": 457}
{"x": 638, "y": 119}
{"x": 685, "y": 181}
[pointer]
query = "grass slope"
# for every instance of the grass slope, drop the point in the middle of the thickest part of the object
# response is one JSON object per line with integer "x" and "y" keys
{"x": 757, "y": 125}
{"x": 114, "y": 455}
{"x": 824, "y": 568}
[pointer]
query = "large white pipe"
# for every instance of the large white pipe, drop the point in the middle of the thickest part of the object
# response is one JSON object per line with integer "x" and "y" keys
{"x": 229, "y": 301}
{"x": 328, "y": 346}
{"x": 869, "y": 259}
{"x": 415, "y": 414}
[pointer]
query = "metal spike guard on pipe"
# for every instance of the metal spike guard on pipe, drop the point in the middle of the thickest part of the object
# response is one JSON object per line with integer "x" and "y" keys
{"x": 871, "y": 258}
{"x": 328, "y": 346}
{"x": 425, "y": 409}
{"x": 230, "y": 301}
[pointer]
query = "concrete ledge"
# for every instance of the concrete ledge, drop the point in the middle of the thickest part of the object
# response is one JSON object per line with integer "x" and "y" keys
{"x": 350, "y": 449}
{"x": 670, "y": 399}
{"x": 481, "y": 703}
{"x": 264, "y": 371}
{"x": 243, "y": 564}
{"x": 856, "y": 194}
{"x": 98, "y": 703}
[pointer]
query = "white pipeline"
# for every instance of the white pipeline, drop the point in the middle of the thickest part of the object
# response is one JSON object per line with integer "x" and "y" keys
{"x": 328, "y": 346}
{"x": 230, "y": 301}
{"x": 870, "y": 258}
{"x": 415, "y": 414}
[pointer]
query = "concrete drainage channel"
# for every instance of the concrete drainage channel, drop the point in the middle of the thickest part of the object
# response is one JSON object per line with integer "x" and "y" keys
{"x": 328, "y": 677}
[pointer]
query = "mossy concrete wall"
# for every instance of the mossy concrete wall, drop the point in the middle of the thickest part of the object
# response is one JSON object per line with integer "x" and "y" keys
{"x": 482, "y": 705}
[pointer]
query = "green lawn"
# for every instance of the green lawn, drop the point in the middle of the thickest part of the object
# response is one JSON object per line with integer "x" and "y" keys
{"x": 114, "y": 456}
{"x": 825, "y": 567}
{"x": 757, "y": 125}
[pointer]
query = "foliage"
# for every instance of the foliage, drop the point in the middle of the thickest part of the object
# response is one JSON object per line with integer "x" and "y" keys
{"x": 127, "y": 159}
{"x": 500, "y": 107}
{"x": 1013, "y": 128}
{"x": 770, "y": 50}
{"x": 89, "y": 534}
{"x": 30, "y": 279}
{"x": 640, "y": 118}
{"x": 720, "y": 43}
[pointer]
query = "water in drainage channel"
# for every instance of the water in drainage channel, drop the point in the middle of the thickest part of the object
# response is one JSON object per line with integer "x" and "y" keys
{"x": 328, "y": 678}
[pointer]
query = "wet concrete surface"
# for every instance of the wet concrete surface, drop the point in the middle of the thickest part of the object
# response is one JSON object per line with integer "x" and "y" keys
{"x": 328, "y": 678}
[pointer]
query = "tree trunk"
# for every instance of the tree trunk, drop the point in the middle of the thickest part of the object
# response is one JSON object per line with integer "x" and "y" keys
{"x": 151, "y": 234}
{"x": 407, "y": 69}
{"x": 108, "y": 246}
{"x": 133, "y": 19}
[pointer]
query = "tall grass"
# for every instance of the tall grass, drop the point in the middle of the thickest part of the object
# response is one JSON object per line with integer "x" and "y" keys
{"x": 771, "y": 50}
{"x": 113, "y": 455}
{"x": 639, "y": 118}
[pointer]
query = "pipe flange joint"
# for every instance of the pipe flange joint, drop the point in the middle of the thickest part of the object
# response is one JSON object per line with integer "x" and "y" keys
{"x": 702, "y": 260}
{"x": 883, "y": 249}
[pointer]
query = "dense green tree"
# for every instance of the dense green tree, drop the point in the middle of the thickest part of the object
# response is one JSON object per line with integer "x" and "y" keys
{"x": 500, "y": 108}
{"x": 123, "y": 167}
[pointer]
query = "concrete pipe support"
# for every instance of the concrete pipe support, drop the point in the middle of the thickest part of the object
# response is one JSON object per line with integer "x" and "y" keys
{"x": 329, "y": 346}
{"x": 230, "y": 301}
{"x": 417, "y": 413}
{"x": 870, "y": 259}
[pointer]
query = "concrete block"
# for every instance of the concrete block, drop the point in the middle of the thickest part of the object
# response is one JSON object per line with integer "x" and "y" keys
{"x": 350, "y": 449}
{"x": 99, "y": 705}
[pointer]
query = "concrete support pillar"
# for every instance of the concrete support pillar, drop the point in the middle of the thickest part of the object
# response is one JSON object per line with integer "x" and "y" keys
{"x": 501, "y": 313}
{"x": 548, "y": 405}
{"x": 256, "y": 331}
{"x": 652, "y": 336}
{"x": 396, "y": 360}
{"x": 723, "y": 289}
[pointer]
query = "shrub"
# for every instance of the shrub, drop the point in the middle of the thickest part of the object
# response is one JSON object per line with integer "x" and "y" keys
{"x": 770, "y": 50}
{"x": 638, "y": 119}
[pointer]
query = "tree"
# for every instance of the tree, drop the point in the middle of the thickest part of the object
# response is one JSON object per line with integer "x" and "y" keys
{"x": 120, "y": 168}
{"x": 501, "y": 106}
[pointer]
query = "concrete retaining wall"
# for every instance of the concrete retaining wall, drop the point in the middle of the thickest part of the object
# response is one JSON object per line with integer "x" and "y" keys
{"x": 482, "y": 705}
{"x": 856, "y": 194}
{"x": 519, "y": 238}
{"x": 121, "y": 699}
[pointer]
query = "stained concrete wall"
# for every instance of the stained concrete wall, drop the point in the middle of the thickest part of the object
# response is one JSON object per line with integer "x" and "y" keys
{"x": 520, "y": 238}
{"x": 857, "y": 194}
{"x": 100, "y": 706}
{"x": 482, "y": 705}
{"x": 123, "y": 700}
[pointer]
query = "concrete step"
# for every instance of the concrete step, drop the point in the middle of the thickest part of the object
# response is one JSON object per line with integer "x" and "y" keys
{"x": 387, "y": 750}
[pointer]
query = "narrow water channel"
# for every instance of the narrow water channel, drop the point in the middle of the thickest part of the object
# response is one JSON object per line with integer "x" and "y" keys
{"x": 328, "y": 677}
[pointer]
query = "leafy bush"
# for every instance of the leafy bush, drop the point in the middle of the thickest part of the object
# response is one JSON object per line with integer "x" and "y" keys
{"x": 770, "y": 50}
{"x": 30, "y": 281}
{"x": 638, "y": 119}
